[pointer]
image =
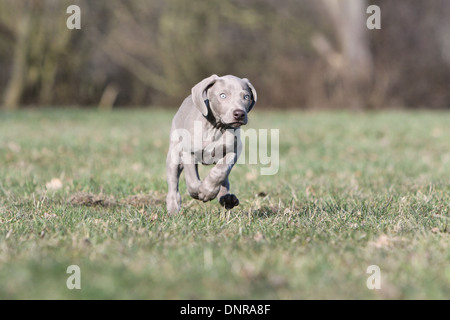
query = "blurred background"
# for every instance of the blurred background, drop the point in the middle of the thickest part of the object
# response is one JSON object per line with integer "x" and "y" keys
{"x": 305, "y": 54}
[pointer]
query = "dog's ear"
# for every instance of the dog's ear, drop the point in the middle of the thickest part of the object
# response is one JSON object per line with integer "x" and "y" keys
{"x": 199, "y": 96}
{"x": 254, "y": 95}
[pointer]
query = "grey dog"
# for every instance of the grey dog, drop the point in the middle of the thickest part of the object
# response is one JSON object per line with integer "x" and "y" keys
{"x": 206, "y": 130}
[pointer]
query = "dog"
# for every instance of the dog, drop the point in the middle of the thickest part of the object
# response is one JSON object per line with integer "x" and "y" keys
{"x": 206, "y": 130}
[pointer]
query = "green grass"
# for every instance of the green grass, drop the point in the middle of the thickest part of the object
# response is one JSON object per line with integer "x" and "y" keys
{"x": 353, "y": 190}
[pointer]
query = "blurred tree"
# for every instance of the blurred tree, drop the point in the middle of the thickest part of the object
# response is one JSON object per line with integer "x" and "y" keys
{"x": 298, "y": 54}
{"x": 350, "y": 59}
{"x": 16, "y": 83}
{"x": 41, "y": 40}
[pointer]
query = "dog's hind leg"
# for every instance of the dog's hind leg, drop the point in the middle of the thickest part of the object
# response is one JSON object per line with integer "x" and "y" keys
{"x": 173, "y": 171}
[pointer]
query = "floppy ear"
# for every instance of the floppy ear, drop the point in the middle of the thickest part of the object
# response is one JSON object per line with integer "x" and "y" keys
{"x": 199, "y": 93}
{"x": 254, "y": 95}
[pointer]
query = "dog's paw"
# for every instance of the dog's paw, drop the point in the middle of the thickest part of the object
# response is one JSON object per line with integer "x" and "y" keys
{"x": 207, "y": 192}
{"x": 229, "y": 201}
{"x": 173, "y": 203}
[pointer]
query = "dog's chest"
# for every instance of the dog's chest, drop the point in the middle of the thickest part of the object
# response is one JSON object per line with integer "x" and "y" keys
{"x": 216, "y": 144}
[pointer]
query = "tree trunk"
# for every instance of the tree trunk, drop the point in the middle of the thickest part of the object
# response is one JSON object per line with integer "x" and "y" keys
{"x": 16, "y": 84}
{"x": 355, "y": 69}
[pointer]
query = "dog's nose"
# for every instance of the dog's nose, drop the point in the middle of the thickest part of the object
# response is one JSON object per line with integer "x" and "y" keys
{"x": 239, "y": 115}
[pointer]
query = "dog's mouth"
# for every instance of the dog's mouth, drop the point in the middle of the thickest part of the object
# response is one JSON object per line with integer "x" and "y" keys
{"x": 234, "y": 125}
{"x": 237, "y": 124}
{"x": 231, "y": 125}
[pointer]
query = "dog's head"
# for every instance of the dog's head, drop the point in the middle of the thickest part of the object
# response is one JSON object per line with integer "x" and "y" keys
{"x": 226, "y": 100}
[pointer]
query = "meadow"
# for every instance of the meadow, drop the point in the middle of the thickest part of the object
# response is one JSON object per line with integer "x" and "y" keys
{"x": 353, "y": 190}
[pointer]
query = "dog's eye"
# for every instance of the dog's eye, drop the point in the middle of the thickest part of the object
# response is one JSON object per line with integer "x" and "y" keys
{"x": 223, "y": 95}
{"x": 247, "y": 97}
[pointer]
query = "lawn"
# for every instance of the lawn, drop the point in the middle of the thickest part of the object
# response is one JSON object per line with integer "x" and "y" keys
{"x": 87, "y": 188}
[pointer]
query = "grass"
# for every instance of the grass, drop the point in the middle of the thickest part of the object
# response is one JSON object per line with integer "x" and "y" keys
{"x": 353, "y": 190}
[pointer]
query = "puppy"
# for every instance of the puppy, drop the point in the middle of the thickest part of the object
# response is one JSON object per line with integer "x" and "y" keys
{"x": 206, "y": 130}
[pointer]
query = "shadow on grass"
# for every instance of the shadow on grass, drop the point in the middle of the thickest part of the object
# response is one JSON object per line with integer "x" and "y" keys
{"x": 139, "y": 200}
{"x": 266, "y": 212}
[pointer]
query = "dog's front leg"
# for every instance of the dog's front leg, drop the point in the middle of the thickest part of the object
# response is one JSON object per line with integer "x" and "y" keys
{"x": 212, "y": 183}
{"x": 191, "y": 174}
{"x": 227, "y": 199}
